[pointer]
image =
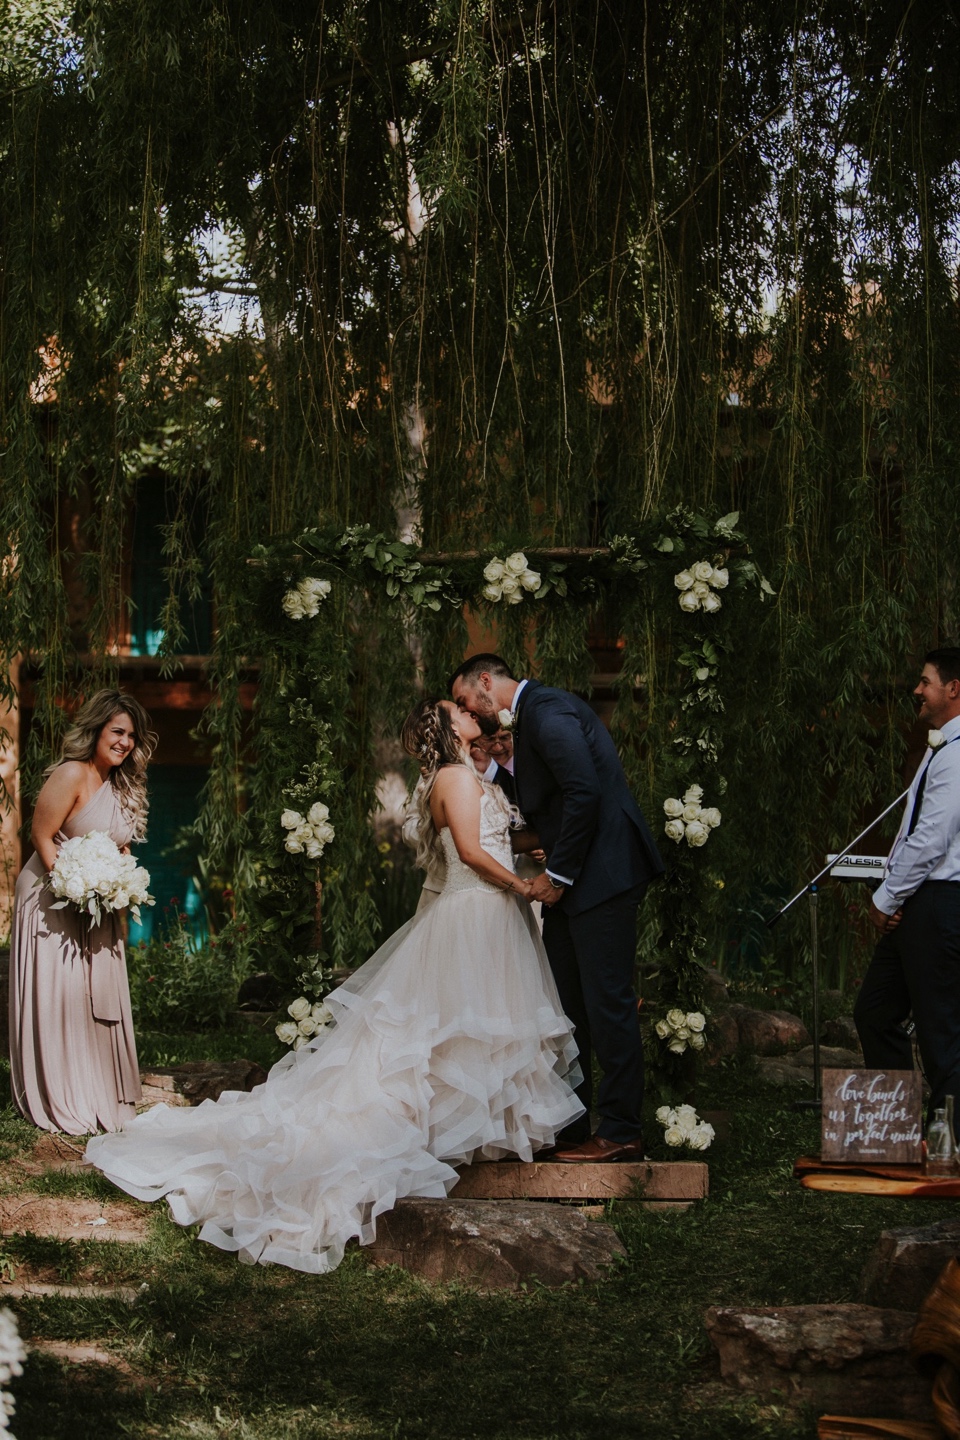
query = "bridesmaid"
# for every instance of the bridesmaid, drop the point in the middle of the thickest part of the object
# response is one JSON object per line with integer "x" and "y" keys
{"x": 73, "y": 1060}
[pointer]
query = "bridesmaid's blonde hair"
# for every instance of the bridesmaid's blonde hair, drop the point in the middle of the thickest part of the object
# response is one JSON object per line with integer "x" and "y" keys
{"x": 130, "y": 778}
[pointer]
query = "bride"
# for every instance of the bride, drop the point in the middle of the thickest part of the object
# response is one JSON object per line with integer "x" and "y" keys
{"x": 449, "y": 1045}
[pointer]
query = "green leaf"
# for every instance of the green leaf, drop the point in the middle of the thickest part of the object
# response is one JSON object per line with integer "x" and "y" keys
{"x": 665, "y": 544}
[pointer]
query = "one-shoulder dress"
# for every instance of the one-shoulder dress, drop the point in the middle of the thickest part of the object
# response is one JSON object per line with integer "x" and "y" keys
{"x": 73, "y": 1059}
{"x": 448, "y": 1044}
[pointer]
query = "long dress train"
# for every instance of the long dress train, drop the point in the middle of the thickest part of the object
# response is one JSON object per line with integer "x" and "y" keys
{"x": 449, "y": 1044}
{"x": 73, "y": 1058}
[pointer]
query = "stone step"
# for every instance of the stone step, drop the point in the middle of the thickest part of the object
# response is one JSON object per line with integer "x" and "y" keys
{"x": 69, "y": 1218}
{"x": 498, "y": 1246}
{"x": 660, "y": 1181}
{"x": 197, "y": 1080}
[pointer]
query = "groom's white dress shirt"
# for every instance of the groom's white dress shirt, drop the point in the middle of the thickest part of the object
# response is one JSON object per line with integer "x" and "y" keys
{"x": 560, "y": 879}
{"x": 932, "y": 852}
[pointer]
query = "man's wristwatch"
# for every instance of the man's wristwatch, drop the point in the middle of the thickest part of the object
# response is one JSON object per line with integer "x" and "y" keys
{"x": 557, "y": 884}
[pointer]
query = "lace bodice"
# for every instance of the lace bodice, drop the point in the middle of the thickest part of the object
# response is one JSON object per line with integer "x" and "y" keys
{"x": 494, "y": 838}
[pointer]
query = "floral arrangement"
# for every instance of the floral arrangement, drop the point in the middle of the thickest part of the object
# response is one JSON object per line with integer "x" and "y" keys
{"x": 12, "y": 1355}
{"x": 303, "y": 601}
{"x": 688, "y": 820}
{"x": 305, "y": 1022}
{"x": 682, "y": 1127}
{"x": 307, "y": 834}
{"x": 91, "y": 873}
{"x": 698, "y": 586}
{"x": 510, "y": 579}
{"x": 681, "y": 1029}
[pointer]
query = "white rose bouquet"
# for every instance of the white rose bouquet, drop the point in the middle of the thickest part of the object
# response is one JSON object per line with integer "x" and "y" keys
{"x": 303, "y": 601}
{"x": 306, "y": 1020}
{"x": 510, "y": 579}
{"x": 91, "y": 873}
{"x": 307, "y": 834}
{"x": 682, "y": 1127}
{"x": 698, "y": 587}
{"x": 681, "y": 1029}
{"x": 688, "y": 820}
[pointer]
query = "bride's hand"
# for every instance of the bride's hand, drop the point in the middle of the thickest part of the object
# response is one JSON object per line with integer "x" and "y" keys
{"x": 524, "y": 888}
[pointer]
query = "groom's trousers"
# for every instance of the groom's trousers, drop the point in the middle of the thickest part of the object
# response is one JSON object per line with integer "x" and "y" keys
{"x": 917, "y": 968}
{"x": 592, "y": 956}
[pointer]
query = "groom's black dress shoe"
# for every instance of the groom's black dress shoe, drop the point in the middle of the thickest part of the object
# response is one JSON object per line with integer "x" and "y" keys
{"x": 597, "y": 1151}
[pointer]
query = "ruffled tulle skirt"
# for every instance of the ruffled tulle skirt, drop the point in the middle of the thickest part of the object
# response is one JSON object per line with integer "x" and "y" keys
{"x": 449, "y": 1045}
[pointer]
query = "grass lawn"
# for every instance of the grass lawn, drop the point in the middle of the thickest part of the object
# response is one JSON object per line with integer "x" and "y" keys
{"x": 216, "y": 1349}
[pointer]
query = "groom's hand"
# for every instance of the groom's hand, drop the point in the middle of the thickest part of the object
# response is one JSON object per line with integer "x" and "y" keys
{"x": 884, "y": 923}
{"x": 547, "y": 893}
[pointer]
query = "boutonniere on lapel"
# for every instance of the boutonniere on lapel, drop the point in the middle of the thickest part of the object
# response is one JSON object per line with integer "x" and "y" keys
{"x": 935, "y": 739}
{"x": 507, "y": 719}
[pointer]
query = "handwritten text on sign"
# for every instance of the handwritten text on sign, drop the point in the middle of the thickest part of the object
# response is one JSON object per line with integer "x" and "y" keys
{"x": 871, "y": 1115}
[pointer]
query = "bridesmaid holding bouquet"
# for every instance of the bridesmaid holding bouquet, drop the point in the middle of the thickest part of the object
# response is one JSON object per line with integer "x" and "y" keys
{"x": 73, "y": 1059}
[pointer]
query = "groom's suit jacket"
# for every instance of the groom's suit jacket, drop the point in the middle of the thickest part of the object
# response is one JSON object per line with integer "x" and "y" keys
{"x": 571, "y": 788}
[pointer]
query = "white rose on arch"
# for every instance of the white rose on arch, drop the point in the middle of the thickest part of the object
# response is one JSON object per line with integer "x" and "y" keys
{"x": 698, "y": 586}
{"x": 689, "y": 601}
{"x": 673, "y": 809}
{"x": 684, "y": 580}
{"x": 696, "y": 834}
{"x": 691, "y": 812}
{"x": 674, "y": 830}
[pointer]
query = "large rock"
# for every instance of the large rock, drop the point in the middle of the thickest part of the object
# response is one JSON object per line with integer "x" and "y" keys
{"x": 198, "y": 1080}
{"x": 847, "y": 1359}
{"x": 904, "y": 1264}
{"x": 797, "y": 1069}
{"x": 723, "y": 1036}
{"x": 495, "y": 1244}
{"x": 769, "y": 1032}
{"x": 841, "y": 1031}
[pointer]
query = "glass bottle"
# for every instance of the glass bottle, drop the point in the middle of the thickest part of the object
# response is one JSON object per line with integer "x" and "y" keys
{"x": 948, "y": 1105}
{"x": 940, "y": 1147}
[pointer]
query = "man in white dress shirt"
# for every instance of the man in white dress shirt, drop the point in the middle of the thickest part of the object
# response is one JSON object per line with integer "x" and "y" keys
{"x": 916, "y": 965}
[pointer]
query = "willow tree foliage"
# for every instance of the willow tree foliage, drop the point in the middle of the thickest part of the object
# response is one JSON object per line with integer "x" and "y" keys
{"x": 506, "y": 274}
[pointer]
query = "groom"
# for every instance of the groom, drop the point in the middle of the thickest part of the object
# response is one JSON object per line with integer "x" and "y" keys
{"x": 600, "y": 858}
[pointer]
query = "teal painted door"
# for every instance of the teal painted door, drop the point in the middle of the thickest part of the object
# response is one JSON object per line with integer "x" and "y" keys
{"x": 174, "y": 792}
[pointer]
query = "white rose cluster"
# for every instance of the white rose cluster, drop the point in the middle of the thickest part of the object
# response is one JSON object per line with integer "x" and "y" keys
{"x": 510, "y": 579}
{"x": 306, "y": 1020}
{"x": 91, "y": 873}
{"x": 303, "y": 601}
{"x": 698, "y": 587}
{"x": 682, "y": 1127}
{"x": 307, "y": 834}
{"x": 12, "y": 1355}
{"x": 688, "y": 820}
{"x": 682, "y": 1028}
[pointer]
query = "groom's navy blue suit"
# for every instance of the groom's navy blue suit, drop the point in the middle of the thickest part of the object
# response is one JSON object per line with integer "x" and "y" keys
{"x": 572, "y": 790}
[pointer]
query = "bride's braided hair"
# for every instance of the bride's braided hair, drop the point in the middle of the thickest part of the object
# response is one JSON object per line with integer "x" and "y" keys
{"x": 429, "y": 737}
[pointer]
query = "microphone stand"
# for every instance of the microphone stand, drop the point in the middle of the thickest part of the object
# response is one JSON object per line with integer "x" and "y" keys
{"x": 811, "y": 890}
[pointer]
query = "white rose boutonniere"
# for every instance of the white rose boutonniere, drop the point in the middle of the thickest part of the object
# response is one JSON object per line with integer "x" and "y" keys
{"x": 507, "y": 719}
{"x": 936, "y": 739}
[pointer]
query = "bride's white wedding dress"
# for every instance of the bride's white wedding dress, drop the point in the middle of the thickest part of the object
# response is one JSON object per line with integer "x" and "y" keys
{"x": 449, "y": 1045}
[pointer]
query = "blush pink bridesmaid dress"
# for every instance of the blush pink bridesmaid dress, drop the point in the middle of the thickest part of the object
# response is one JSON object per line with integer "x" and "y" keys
{"x": 73, "y": 1059}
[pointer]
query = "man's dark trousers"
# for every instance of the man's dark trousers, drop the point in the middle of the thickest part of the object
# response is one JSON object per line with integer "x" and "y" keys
{"x": 592, "y": 956}
{"x": 917, "y": 968}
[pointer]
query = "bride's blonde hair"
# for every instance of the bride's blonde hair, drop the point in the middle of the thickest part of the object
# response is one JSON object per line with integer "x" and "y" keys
{"x": 428, "y": 735}
{"x": 130, "y": 778}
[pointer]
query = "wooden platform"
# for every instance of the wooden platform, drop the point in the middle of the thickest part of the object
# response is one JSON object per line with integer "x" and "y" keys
{"x": 660, "y": 1184}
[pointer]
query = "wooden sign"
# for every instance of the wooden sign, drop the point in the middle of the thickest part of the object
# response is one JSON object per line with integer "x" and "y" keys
{"x": 872, "y": 1115}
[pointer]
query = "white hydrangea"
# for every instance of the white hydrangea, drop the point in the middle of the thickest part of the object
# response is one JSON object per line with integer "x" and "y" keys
{"x": 91, "y": 873}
